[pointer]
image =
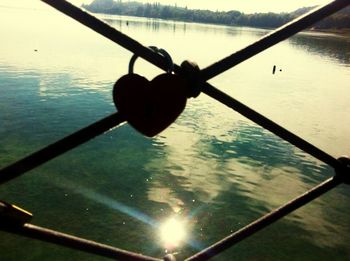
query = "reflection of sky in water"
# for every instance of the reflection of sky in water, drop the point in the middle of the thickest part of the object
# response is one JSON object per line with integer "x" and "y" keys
{"x": 212, "y": 167}
{"x": 248, "y": 163}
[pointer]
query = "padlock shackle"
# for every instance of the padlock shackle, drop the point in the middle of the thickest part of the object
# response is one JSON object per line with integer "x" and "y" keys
{"x": 157, "y": 50}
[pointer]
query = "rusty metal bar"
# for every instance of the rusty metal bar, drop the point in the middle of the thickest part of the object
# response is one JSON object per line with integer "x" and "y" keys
{"x": 66, "y": 240}
{"x": 37, "y": 158}
{"x": 97, "y": 128}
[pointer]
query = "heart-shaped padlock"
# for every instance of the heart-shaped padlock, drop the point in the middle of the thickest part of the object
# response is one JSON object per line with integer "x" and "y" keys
{"x": 150, "y": 106}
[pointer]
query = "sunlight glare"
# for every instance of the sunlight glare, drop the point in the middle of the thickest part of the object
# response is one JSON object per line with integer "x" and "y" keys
{"x": 172, "y": 233}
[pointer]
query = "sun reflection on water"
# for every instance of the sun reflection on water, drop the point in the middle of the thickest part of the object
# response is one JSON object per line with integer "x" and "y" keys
{"x": 172, "y": 233}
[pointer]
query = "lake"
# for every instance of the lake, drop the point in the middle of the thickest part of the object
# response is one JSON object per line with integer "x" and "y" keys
{"x": 210, "y": 173}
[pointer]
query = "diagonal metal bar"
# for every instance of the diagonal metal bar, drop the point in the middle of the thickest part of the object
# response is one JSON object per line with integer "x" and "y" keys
{"x": 55, "y": 237}
{"x": 273, "y": 38}
{"x": 109, "y": 32}
{"x": 270, "y": 125}
{"x": 100, "y": 127}
{"x": 93, "y": 130}
{"x": 130, "y": 44}
{"x": 266, "y": 220}
{"x": 53, "y": 150}
{"x": 133, "y": 46}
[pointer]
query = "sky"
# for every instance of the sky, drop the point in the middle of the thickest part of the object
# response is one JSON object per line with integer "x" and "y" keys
{"x": 246, "y": 6}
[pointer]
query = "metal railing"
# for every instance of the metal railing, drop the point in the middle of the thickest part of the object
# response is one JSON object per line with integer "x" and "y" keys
{"x": 15, "y": 220}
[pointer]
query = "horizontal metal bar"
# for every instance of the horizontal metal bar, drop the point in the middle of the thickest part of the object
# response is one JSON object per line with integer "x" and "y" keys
{"x": 58, "y": 238}
{"x": 36, "y": 159}
{"x": 270, "y": 125}
{"x": 113, "y": 120}
{"x": 273, "y": 38}
{"x": 266, "y": 220}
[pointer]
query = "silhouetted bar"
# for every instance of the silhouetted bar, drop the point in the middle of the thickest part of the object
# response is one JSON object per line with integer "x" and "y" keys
{"x": 269, "y": 125}
{"x": 266, "y": 42}
{"x": 55, "y": 237}
{"x": 109, "y": 32}
{"x": 273, "y": 38}
{"x": 213, "y": 70}
{"x": 266, "y": 220}
{"x": 113, "y": 120}
{"x": 59, "y": 147}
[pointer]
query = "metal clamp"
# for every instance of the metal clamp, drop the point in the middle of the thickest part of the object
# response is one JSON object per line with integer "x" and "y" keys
{"x": 344, "y": 173}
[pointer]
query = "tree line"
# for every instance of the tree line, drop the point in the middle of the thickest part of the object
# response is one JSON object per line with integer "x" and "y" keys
{"x": 264, "y": 20}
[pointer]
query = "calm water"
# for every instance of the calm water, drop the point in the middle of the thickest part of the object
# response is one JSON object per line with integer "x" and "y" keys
{"x": 213, "y": 170}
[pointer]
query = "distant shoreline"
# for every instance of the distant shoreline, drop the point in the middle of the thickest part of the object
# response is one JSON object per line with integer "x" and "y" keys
{"x": 343, "y": 32}
{"x": 334, "y": 23}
